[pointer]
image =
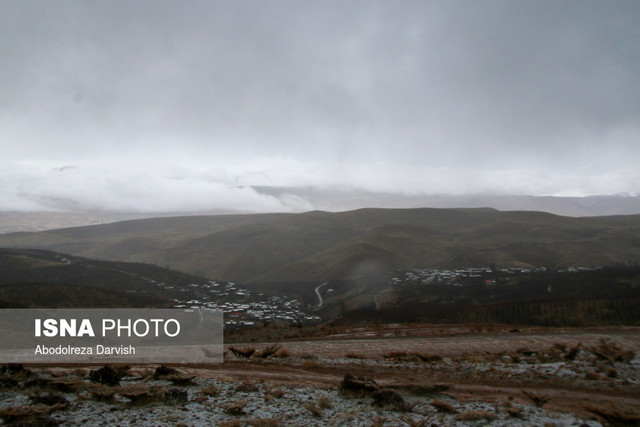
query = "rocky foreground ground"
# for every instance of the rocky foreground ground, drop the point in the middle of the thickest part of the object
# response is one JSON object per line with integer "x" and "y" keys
{"x": 536, "y": 378}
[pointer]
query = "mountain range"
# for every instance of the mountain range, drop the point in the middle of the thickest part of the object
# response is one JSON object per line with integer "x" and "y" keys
{"x": 341, "y": 199}
{"x": 313, "y": 247}
{"x": 337, "y": 199}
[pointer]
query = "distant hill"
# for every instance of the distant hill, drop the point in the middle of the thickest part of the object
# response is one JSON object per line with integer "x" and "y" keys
{"x": 37, "y": 278}
{"x": 343, "y": 199}
{"x": 12, "y": 221}
{"x": 313, "y": 247}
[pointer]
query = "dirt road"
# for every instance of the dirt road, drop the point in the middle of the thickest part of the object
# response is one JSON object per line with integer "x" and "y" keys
{"x": 377, "y": 343}
{"x": 445, "y": 376}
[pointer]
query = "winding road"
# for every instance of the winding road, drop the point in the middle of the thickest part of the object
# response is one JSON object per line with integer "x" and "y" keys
{"x": 318, "y": 293}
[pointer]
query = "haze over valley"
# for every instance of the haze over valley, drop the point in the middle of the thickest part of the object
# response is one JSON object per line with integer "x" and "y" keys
{"x": 252, "y": 107}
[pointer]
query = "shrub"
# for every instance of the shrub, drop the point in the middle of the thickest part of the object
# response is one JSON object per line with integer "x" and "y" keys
{"x": 246, "y": 352}
{"x": 246, "y": 387}
{"x": 140, "y": 394}
{"x": 315, "y": 410}
{"x": 573, "y": 352}
{"x": 235, "y": 408}
{"x": 8, "y": 382}
{"x": 358, "y": 385}
{"x": 443, "y": 406}
{"x": 560, "y": 348}
{"x": 105, "y": 375}
{"x": 13, "y": 368}
{"x": 387, "y": 397}
{"x": 283, "y": 352}
{"x": 325, "y": 403}
{"x": 609, "y": 350}
{"x": 14, "y": 371}
{"x": 123, "y": 370}
{"x": 102, "y": 392}
{"x": 210, "y": 390}
{"x": 513, "y": 411}
{"x": 277, "y": 392}
{"x": 538, "y": 399}
{"x": 365, "y": 386}
{"x": 56, "y": 384}
{"x": 270, "y": 351}
{"x": 164, "y": 371}
{"x": 430, "y": 358}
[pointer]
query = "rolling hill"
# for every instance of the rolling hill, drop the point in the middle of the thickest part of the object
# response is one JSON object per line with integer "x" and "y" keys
{"x": 317, "y": 246}
{"x": 37, "y": 278}
{"x": 336, "y": 199}
{"x": 342, "y": 199}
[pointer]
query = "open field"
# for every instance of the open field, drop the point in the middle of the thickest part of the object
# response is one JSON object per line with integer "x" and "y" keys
{"x": 447, "y": 375}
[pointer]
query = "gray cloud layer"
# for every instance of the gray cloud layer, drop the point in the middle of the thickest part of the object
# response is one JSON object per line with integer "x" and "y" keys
{"x": 419, "y": 97}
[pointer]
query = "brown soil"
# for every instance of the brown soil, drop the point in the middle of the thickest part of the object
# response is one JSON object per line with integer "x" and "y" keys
{"x": 473, "y": 369}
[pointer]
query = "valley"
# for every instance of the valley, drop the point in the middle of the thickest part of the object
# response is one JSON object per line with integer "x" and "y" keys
{"x": 394, "y": 317}
{"x": 391, "y": 265}
{"x": 313, "y": 247}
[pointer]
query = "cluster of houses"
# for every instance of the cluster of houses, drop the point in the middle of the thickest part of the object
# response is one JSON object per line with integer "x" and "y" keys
{"x": 244, "y": 309}
{"x": 459, "y": 277}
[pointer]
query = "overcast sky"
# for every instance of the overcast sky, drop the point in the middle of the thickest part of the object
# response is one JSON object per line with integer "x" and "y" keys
{"x": 180, "y": 105}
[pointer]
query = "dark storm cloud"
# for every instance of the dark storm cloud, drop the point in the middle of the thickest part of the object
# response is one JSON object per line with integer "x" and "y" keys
{"x": 395, "y": 96}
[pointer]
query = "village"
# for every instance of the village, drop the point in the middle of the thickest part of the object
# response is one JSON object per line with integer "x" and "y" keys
{"x": 242, "y": 309}
{"x": 468, "y": 276}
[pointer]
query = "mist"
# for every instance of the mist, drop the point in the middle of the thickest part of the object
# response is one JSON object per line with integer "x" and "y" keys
{"x": 173, "y": 106}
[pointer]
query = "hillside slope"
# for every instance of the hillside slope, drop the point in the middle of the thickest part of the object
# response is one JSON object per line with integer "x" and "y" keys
{"x": 318, "y": 246}
{"x": 49, "y": 279}
{"x": 341, "y": 199}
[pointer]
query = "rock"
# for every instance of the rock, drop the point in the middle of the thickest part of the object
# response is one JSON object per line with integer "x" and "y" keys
{"x": 387, "y": 397}
{"x": 163, "y": 371}
{"x": 105, "y": 375}
{"x": 360, "y": 386}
